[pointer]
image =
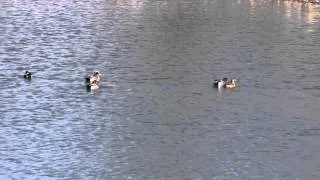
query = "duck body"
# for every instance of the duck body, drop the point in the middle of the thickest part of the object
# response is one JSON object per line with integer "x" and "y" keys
{"x": 232, "y": 84}
{"x": 92, "y": 85}
{"x": 27, "y": 75}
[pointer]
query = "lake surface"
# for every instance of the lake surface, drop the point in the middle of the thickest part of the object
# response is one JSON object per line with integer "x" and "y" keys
{"x": 156, "y": 115}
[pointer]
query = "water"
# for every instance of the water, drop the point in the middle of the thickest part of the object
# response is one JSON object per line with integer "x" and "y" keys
{"x": 156, "y": 115}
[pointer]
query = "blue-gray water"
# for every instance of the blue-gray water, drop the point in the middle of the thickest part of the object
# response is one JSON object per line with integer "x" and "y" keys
{"x": 156, "y": 115}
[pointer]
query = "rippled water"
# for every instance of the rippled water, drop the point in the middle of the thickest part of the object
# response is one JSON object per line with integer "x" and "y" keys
{"x": 156, "y": 115}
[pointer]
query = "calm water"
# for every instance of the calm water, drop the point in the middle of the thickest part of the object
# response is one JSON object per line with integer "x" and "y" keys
{"x": 156, "y": 115}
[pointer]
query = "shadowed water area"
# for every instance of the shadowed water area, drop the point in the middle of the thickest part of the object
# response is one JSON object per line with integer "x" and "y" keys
{"x": 156, "y": 115}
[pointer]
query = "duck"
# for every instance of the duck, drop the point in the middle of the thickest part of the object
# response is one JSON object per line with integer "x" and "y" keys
{"x": 232, "y": 84}
{"x": 92, "y": 85}
{"x": 220, "y": 83}
{"x": 94, "y": 77}
{"x": 217, "y": 83}
{"x": 28, "y": 75}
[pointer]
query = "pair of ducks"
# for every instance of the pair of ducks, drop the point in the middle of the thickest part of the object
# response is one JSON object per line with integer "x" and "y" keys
{"x": 225, "y": 83}
{"x": 92, "y": 81}
{"x": 28, "y": 75}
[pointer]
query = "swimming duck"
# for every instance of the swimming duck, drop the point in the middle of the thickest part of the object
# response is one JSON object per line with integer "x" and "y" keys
{"x": 93, "y": 85}
{"x": 220, "y": 83}
{"x": 94, "y": 77}
{"x": 27, "y": 75}
{"x": 232, "y": 84}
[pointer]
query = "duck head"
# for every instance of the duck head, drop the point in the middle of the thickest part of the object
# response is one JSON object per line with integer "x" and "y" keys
{"x": 215, "y": 83}
{"x": 96, "y": 76}
{"x": 225, "y": 80}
